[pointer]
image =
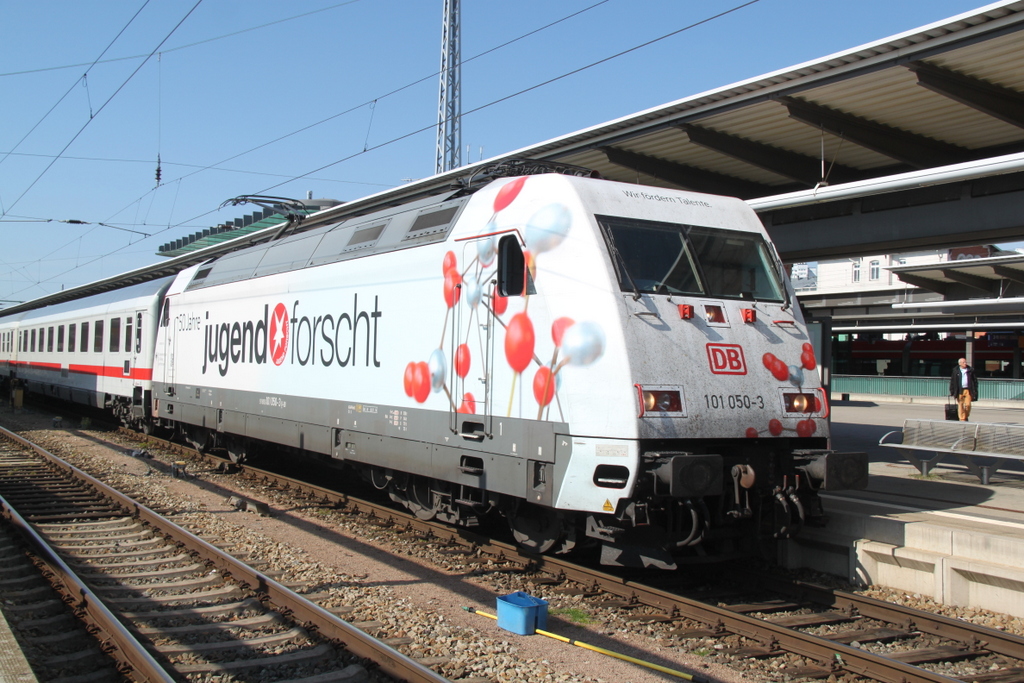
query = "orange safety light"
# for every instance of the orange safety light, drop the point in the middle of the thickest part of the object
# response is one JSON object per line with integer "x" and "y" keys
{"x": 686, "y": 311}
{"x": 749, "y": 315}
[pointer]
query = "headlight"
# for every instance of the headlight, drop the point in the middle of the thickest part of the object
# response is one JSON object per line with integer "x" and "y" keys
{"x": 661, "y": 402}
{"x": 798, "y": 403}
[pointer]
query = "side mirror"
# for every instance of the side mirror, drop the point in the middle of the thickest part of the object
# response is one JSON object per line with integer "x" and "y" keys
{"x": 511, "y": 267}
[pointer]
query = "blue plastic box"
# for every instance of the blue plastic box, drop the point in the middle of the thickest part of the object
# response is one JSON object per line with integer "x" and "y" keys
{"x": 522, "y": 613}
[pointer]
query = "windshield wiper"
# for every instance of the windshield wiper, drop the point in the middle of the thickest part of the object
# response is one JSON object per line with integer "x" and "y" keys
{"x": 622, "y": 264}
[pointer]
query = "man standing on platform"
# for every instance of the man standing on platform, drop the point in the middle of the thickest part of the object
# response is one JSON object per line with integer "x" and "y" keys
{"x": 964, "y": 386}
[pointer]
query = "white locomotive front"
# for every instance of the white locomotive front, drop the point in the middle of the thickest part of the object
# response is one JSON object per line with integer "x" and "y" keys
{"x": 602, "y": 363}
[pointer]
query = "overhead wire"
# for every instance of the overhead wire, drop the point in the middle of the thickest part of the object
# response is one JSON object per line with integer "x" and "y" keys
{"x": 433, "y": 124}
{"x": 183, "y": 47}
{"x": 351, "y": 109}
{"x": 7, "y": 209}
{"x": 82, "y": 79}
{"x": 375, "y": 100}
{"x": 549, "y": 81}
{"x": 199, "y": 166}
{"x": 109, "y": 99}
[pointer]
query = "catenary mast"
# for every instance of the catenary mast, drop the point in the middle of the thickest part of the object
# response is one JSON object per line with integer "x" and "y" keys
{"x": 449, "y": 110}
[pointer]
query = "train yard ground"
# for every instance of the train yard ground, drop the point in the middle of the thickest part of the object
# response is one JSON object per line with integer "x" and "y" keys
{"x": 414, "y": 591}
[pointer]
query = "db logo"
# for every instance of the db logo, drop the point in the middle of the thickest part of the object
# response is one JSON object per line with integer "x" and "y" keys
{"x": 727, "y": 359}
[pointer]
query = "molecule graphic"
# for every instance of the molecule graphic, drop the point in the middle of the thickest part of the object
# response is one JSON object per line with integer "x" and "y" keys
{"x": 574, "y": 343}
{"x": 795, "y": 375}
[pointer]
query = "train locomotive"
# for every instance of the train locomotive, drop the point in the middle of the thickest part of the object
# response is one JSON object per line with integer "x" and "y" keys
{"x": 603, "y": 364}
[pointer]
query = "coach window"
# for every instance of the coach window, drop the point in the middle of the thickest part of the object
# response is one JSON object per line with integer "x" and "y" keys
{"x": 128, "y": 335}
{"x": 60, "y": 339}
{"x": 84, "y": 348}
{"x": 33, "y": 341}
{"x": 97, "y": 342}
{"x": 115, "y": 335}
{"x": 72, "y": 329}
{"x": 49, "y": 340}
{"x": 138, "y": 333}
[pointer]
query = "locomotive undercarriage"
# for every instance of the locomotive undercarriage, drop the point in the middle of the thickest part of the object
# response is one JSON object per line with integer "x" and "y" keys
{"x": 686, "y": 508}
{"x": 719, "y": 500}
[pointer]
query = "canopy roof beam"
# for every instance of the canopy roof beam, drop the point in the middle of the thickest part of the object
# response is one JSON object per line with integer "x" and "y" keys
{"x": 1011, "y": 274}
{"x": 924, "y": 282}
{"x": 916, "y": 150}
{"x": 686, "y": 177}
{"x": 797, "y": 167}
{"x": 996, "y": 101}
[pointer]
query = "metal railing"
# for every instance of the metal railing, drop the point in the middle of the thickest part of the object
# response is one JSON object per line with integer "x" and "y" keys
{"x": 993, "y": 389}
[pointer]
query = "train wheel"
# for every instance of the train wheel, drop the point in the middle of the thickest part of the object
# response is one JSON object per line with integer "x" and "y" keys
{"x": 239, "y": 450}
{"x": 537, "y": 529}
{"x": 421, "y": 500}
{"x": 198, "y": 437}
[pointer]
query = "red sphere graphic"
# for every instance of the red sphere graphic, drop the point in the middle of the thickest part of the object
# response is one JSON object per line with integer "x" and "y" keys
{"x": 450, "y": 261}
{"x": 559, "y": 327}
{"x": 751, "y": 433}
{"x": 779, "y": 370}
{"x": 805, "y": 428}
{"x": 279, "y": 334}
{"x": 407, "y": 380}
{"x": 544, "y": 386}
{"x": 519, "y": 340}
{"x": 452, "y": 290}
{"x": 499, "y": 303}
{"x": 807, "y": 360}
{"x": 768, "y": 359}
{"x": 462, "y": 360}
{"x": 508, "y": 192}
{"x": 420, "y": 382}
{"x": 468, "y": 404}
{"x": 775, "y": 427}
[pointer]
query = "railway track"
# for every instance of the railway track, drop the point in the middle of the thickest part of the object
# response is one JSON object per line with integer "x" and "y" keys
{"x": 166, "y": 605}
{"x": 835, "y": 633}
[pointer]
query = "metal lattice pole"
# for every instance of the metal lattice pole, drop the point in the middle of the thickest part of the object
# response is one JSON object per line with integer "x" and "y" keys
{"x": 449, "y": 109}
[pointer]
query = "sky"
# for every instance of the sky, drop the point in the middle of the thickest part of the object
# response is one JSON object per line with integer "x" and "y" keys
{"x": 338, "y": 99}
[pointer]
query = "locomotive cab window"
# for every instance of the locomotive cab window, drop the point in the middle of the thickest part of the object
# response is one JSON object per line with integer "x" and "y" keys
{"x": 514, "y": 277}
{"x": 670, "y": 258}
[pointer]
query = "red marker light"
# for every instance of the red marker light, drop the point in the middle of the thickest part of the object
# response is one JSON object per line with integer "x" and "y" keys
{"x": 686, "y": 311}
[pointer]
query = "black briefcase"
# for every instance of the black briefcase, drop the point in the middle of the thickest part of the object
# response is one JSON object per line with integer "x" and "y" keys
{"x": 952, "y": 411}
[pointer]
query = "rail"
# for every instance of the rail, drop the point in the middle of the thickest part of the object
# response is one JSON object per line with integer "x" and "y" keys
{"x": 299, "y": 609}
{"x": 833, "y": 657}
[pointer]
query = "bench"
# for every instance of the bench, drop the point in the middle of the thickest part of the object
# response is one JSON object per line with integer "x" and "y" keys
{"x": 992, "y": 443}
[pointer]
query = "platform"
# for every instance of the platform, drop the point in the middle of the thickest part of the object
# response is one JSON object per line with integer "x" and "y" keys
{"x": 945, "y": 536}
